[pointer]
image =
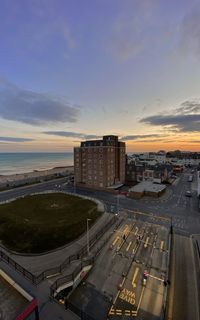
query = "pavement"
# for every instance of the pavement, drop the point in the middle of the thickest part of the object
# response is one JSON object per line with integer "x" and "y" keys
{"x": 134, "y": 248}
{"x": 36, "y": 264}
{"x": 174, "y": 209}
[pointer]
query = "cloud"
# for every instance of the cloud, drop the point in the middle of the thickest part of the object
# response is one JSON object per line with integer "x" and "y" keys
{"x": 12, "y": 139}
{"x": 69, "y": 134}
{"x": 34, "y": 108}
{"x": 142, "y": 136}
{"x": 190, "y": 32}
{"x": 129, "y": 36}
{"x": 189, "y": 107}
{"x": 183, "y": 119}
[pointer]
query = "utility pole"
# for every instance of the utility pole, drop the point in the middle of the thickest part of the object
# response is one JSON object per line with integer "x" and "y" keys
{"x": 88, "y": 241}
{"x": 74, "y": 185}
{"x": 118, "y": 203}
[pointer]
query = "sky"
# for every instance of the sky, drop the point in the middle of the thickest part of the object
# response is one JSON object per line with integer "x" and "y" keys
{"x": 72, "y": 70}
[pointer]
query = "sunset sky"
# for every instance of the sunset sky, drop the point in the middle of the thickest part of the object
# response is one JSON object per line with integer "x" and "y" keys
{"x": 78, "y": 69}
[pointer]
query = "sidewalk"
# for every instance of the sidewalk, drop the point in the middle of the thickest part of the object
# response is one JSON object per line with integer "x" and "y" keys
{"x": 39, "y": 263}
{"x": 48, "y": 308}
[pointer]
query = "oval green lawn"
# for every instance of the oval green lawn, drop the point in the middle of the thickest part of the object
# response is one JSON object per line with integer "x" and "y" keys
{"x": 38, "y": 223}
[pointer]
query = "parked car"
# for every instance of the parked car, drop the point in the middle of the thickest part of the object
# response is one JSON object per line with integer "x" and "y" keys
{"x": 188, "y": 193}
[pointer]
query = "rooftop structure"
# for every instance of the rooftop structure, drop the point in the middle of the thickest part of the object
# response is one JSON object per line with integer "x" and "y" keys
{"x": 148, "y": 188}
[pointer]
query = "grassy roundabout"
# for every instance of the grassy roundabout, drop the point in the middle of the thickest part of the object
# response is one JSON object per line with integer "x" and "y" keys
{"x": 39, "y": 223}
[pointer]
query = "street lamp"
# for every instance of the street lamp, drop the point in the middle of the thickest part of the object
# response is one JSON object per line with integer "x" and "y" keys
{"x": 74, "y": 185}
{"x": 88, "y": 244}
{"x": 118, "y": 203}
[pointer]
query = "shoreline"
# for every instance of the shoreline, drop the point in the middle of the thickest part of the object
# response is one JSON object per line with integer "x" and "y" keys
{"x": 18, "y": 179}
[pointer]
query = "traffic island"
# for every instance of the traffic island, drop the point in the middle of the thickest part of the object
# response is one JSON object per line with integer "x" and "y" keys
{"x": 43, "y": 222}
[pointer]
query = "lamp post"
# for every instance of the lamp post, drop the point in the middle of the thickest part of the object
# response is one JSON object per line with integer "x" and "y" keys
{"x": 74, "y": 185}
{"x": 118, "y": 203}
{"x": 88, "y": 243}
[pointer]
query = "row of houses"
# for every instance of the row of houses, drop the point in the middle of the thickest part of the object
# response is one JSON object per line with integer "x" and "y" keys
{"x": 157, "y": 173}
{"x": 179, "y": 158}
{"x": 158, "y": 167}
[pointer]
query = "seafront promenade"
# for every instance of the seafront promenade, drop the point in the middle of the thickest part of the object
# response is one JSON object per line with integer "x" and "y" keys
{"x": 15, "y": 180}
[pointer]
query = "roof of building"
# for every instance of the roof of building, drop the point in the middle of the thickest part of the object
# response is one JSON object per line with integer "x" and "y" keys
{"x": 148, "y": 186}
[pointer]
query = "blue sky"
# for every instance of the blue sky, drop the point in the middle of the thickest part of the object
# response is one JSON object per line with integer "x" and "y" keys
{"x": 71, "y": 70}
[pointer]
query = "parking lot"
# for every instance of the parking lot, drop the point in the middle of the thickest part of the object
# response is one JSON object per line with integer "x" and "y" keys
{"x": 130, "y": 275}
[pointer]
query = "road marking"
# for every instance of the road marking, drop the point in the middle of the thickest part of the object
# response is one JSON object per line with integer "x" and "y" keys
{"x": 161, "y": 245}
{"x": 118, "y": 291}
{"x": 128, "y": 296}
{"x": 140, "y": 300}
{"x": 128, "y": 247}
{"x": 115, "y": 241}
{"x": 128, "y": 311}
{"x": 135, "y": 248}
{"x": 146, "y": 242}
{"x": 112, "y": 311}
{"x": 134, "y": 277}
{"x": 136, "y": 231}
{"x": 118, "y": 311}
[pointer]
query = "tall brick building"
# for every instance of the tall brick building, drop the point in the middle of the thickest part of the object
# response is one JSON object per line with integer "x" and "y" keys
{"x": 100, "y": 163}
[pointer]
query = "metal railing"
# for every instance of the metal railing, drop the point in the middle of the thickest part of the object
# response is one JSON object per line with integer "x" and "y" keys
{"x": 26, "y": 274}
{"x": 37, "y": 279}
{"x": 73, "y": 275}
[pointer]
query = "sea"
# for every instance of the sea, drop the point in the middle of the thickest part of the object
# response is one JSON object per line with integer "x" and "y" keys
{"x": 12, "y": 163}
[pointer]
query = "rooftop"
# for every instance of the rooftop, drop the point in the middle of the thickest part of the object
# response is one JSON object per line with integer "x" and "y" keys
{"x": 148, "y": 186}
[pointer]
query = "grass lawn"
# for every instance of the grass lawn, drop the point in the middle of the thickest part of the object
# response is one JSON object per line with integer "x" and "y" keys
{"x": 38, "y": 223}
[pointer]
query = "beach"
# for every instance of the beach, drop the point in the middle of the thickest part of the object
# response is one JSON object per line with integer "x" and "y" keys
{"x": 35, "y": 176}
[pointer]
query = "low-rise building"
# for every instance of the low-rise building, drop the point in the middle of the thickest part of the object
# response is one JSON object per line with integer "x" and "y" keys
{"x": 141, "y": 171}
{"x": 146, "y": 188}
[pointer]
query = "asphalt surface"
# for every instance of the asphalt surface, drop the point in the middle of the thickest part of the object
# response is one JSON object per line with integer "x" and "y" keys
{"x": 184, "y": 281}
{"x": 172, "y": 208}
{"x": 136, "y": 247}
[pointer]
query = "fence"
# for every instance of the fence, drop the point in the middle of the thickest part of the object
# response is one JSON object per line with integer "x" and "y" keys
{"x": 70, "y": 277}
{"x": 73, "y": 275}
{"x": 26, "y": 274}
{"x": 56, "y": 270}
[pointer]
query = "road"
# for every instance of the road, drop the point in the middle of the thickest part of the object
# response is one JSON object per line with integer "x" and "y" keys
{"x": 183, "y": 281}
{"x": 183, "y": 210}
{"x": 185, "y": 218}
{"x": 134, "y": 248}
